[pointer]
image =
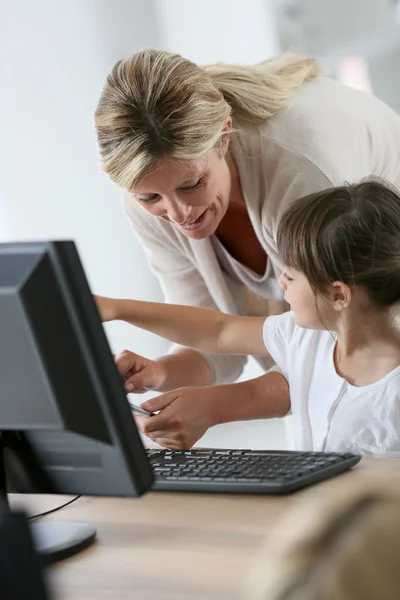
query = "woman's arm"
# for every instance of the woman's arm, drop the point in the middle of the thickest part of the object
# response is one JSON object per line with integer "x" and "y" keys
{"x": 186, "y": 413}
{"x": 201, "y": 328}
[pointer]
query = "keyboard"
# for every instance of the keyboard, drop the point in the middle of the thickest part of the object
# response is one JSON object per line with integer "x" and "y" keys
{"x": 244, "y": 471}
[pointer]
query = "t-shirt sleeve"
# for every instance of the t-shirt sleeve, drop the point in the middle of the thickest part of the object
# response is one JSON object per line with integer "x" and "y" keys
{"x": 379, "y": 436}
{"x": 278, "y": 335}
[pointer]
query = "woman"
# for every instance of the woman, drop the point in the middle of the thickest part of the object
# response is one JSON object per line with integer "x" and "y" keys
{"x": 209, "y": 159}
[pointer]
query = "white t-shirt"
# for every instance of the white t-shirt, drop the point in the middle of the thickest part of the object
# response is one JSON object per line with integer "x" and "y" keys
{"x": 330, "y": 414}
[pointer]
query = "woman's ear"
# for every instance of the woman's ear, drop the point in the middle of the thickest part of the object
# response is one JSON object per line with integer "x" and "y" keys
{"x": 340, "y": 295}
{"x": 225, "y": 137}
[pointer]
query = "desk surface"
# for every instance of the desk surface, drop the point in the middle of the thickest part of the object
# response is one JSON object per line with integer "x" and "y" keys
{"x": 172, "y": 546}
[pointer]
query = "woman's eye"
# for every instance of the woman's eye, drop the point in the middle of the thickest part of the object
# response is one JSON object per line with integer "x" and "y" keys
{"x": 286, "y": 276}
{"x": 193, "y": 187}
{"x": 148, "y": 199}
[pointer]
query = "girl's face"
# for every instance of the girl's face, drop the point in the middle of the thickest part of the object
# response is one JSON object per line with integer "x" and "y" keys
{"x": 192, "y": 195}
{"x": 309, "y": 311}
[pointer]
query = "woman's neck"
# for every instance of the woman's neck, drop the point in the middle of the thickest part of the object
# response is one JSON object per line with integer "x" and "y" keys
{"x": 236, "y": 194}
{"x": 236, "y": 232}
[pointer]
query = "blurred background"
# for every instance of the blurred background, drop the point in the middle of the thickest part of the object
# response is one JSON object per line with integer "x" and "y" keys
{"x": 53, "y": 62}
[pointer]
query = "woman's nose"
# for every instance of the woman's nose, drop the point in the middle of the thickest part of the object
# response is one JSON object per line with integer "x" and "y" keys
{"x": 177, "y": 211}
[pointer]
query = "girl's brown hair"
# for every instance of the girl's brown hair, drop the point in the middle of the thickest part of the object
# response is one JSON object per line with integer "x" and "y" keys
{"x": 350, "y": 234}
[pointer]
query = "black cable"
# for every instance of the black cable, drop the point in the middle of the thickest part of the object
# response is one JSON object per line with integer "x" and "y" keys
{"x": 48, "y": 512}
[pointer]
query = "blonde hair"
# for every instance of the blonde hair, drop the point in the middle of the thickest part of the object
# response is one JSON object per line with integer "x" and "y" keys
{"x": 338, "y": 543}
{"x": 157, "y": 104}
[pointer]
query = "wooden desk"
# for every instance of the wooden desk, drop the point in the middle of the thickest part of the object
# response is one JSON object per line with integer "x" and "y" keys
{"x": 172, "y": 546}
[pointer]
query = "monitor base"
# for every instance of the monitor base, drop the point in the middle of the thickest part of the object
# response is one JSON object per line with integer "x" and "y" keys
{"x": 57, "y": 540}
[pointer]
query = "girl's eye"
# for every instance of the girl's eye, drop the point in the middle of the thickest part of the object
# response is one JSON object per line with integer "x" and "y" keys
{"x": 286, "y": 276}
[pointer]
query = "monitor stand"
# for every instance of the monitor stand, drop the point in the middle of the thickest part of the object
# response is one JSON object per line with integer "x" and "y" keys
{"x": 20, "y": 568}
{"x": 53, "y": 540}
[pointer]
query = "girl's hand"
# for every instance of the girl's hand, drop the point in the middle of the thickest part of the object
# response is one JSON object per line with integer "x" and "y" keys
{"x": 139, "y": 374}
{"x": 107, "y": 308}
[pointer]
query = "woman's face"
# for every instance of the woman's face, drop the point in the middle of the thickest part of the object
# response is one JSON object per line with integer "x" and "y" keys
{"x": 192, "y": 195}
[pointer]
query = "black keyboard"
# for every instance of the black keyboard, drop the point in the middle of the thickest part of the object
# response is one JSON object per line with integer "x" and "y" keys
{"x": 244, "y": 471}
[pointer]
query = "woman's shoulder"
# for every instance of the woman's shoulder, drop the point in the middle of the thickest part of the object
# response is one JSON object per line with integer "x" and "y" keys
{"x": 291, "y": 144}
{"x": 326, "y": 117}
{"x": 317, "y": 109}
{"x": 342, "y": 133}
{"x": 325, "y": 100}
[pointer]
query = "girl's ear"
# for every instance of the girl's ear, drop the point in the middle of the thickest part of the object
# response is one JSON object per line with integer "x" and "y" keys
{"x": 340, "y": 295}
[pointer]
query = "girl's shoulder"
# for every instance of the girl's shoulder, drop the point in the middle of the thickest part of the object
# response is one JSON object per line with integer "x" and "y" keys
{"x": 284, "y": 326}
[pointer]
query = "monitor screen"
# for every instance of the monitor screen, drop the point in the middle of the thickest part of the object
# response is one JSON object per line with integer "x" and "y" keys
{"x": 65, "y": 422}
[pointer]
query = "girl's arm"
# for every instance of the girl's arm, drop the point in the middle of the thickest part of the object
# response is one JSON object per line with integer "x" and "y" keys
{"x": 201, "y": 328}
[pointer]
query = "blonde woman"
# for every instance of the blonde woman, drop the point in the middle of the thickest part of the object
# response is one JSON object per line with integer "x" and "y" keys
{"x": 340, "y": 542}
{"x": 209, "y": 158}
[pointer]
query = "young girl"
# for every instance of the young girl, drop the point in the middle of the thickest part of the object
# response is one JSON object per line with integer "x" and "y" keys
{"x": 339, "y": 346}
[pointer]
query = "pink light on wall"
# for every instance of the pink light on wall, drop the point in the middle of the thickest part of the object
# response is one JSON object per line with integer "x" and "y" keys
{"x": 353, "y": 71}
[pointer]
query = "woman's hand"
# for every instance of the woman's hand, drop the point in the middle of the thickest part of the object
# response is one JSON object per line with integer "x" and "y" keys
{"x": 139, "y": 373}
{"x": 184, "y": 417}
{"x": 107, "y": 308}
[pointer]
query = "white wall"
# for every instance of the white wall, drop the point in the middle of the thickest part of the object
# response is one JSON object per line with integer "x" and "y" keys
{"x": 207, "y": 31}
{"x": 53, "y": 61}
{"x": 54, "y": 57}
{"x": 335, "y": 31}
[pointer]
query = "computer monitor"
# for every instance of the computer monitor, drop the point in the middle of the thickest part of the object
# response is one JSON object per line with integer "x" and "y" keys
{"x": 65, "y": 422}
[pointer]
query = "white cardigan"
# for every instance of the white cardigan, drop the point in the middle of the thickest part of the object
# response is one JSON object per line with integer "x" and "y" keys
{"x": 328, "y": 135}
